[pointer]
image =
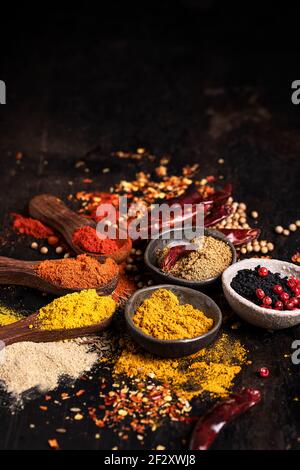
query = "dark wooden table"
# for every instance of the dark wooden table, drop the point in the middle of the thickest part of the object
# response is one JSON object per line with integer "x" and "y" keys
{"x": 81, "y": 87}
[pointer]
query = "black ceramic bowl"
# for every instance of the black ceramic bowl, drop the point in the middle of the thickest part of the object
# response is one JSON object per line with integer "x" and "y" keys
{"x": 179, "y": 347}
{"x": 159, "y": 243}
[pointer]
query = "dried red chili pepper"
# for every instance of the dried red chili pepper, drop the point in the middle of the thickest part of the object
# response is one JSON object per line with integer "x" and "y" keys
{"x": 209, "y": 425}
{"x": 194, "y": 197}
{"x": 173, "y": 255}
{"x": 217, "y": 214}
{"x": 219, "y": 197}
{"x": 240, "y": 236}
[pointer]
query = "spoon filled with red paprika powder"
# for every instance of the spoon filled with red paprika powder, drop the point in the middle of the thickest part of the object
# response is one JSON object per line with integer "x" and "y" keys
{"x": 79, "y": 232}
{"x": 60, "y": 277}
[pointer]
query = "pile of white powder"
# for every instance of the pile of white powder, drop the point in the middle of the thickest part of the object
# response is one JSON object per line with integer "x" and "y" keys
{"x": 40, "y": 366}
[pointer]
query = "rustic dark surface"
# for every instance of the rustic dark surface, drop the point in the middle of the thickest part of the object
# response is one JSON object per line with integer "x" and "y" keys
{"x": 79, "y": 88}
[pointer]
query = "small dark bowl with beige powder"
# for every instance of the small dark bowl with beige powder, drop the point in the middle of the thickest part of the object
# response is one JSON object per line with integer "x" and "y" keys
{"x": 197, "y": 267}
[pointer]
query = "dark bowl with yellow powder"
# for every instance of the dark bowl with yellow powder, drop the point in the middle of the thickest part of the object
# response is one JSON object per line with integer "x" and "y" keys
{"x": 174, "y": 347}
{"x": 213, "y": 264}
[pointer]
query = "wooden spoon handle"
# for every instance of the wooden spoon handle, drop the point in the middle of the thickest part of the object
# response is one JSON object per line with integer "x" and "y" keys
{"x": 15, "y": 332}
{"x": 22, "y": 331}
{"x": 53, "y": 212}
{"x": 14, "y": 271}
{"x": 15, "y": 265}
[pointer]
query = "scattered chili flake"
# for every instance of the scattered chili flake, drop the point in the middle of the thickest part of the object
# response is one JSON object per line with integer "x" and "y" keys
{"x": 43, "y": 408}
{"x": 79, "y": 393}
{"x": 65, "y": 396}
{"x": 296, "y": 257}
{"x": 53, "y": 444}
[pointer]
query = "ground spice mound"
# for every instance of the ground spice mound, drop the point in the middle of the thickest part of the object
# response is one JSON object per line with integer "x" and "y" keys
{"x": 28, "y": 365}
{"x": 76, "y": 310}
{"x": 163, "y": 317}
{"x": 210, "y": 370}
{"x": 8, "y": 316}
{"x": 29, "y": 226}
{"x": 87, "y": 239}
{"x": 82, "y": 272}
{"x": 211, "y": 258}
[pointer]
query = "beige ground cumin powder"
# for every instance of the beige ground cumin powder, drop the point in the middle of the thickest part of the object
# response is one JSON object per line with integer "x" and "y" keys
{"x": 211, "y": 258}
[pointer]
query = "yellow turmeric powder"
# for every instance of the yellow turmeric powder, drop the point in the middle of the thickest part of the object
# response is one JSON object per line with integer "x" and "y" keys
{"x": 163, "y": 317}
{"x": 209, "y": 371}
{"x": 76, "y": 310}
{"x": 8, "y": 316}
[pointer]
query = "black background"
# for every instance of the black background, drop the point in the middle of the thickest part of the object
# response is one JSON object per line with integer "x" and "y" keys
{"x": 197, "y": 80}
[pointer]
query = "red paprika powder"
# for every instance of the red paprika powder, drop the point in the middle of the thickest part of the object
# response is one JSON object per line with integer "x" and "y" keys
{"x": 87, "y": 239}
{"x": 29, "y": 226}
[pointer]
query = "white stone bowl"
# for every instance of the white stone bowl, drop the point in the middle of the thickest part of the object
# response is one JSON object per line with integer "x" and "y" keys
{"x": 252, "y": 313}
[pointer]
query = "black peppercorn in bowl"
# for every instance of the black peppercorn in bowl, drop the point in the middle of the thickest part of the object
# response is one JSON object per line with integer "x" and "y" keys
{"x": 178, "y": 347}
{"x": 164, "y": 239}
{"x": 251, "y": 312}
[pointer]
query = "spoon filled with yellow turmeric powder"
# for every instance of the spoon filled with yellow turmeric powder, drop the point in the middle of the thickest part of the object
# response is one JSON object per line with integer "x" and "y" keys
{"x": 78, "y": 314}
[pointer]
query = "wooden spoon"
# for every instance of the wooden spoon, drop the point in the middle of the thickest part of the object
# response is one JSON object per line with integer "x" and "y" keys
{"x": 23, "y": 331}
{"x": 22, "y": 273}
{"x": 53, "y": 212}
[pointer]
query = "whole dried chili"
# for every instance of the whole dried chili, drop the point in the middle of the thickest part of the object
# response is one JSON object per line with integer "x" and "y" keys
{"x": 240, "y": 236}
{"x": 29, "y": 226}
{"x": 173, "y": 255}
{"x": 217, "y": 214}
{"x": 209, "y": 425}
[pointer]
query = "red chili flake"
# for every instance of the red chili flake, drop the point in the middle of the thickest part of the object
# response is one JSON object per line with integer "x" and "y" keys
{"x": 87, "y": 180}
{"x": 65, "y": 396}
{"x": 43, "y": 408}
{"x": 79, "y": 393}
{"x": 48, "y": 397}
{"x": 211, "y": 178}
{"x": 296, "y": 257}
{"x": 53, "y": 444}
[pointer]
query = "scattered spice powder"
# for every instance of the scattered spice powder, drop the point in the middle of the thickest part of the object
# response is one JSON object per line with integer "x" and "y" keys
{"x": 49, "y": 362}
{"x": 29, "y": 226}
{"x": 82, "y": 272}
{"x": 76, "y": 310}
{"x": 87, "y": 239}
{"x": 8, "y": 316}
{"x": 163, "y": 317}
{"x": 210, "y": 370}
{"x": 210, "y": 259}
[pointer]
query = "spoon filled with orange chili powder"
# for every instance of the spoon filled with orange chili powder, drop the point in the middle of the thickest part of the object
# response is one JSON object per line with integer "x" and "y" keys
{"x": 62, "y": 276}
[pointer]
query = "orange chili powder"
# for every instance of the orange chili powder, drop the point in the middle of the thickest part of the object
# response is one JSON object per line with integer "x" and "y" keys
{"x": 82, "y": 272}
{"x": 87, "y": 239}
